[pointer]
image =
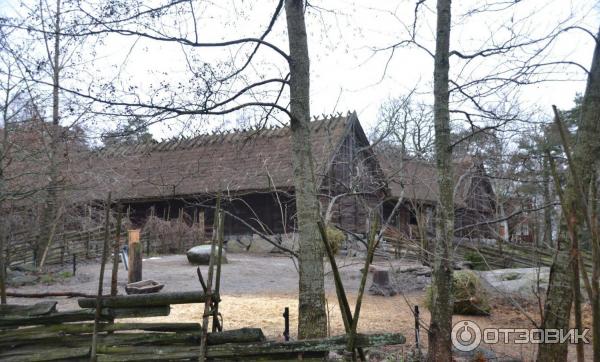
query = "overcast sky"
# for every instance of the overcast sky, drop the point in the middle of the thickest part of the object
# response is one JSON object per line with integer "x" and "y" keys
{"x": 347, "y": 73}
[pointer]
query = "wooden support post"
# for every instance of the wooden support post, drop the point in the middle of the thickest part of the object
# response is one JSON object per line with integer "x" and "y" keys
{"x": 116, "y": 246}
{"x": 135, "y": 256}
{"x": 101, "y": 279}
{"x": 208, "y": 302}
{"x": 88, "y": 237}
{"x": 417, "y": 328}
{"x": 286, "y": 324}
{"x": 74, "y": 264}
{"x": 372, "y": 244}
{"x": 216, "y": 327}
{"x": 201, "y": 227}
{"x": 339, "y": 287}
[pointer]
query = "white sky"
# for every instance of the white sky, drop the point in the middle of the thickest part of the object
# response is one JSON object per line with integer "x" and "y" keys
{"x": 346, "y": 74}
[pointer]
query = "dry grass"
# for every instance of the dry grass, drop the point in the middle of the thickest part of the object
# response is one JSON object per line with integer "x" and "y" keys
{"x": 378, "y": 315}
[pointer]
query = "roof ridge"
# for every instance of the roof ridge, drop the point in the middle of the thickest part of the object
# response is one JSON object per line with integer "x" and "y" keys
{"x": 234, "y": 135}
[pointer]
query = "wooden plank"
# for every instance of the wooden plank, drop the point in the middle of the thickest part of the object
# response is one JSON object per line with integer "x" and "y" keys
{"x": 308, "y": 345}
{"x": 46, "y": 354}
{"x": 53, "y": 330}
{"x": 40, "y": 308}
{"x": 57, "y": 339}
{"x": 87, "y": 314}
{"x": 158, "y": 311}
{"x": 146, "y": 300}
{"x": 245, "y": 351}
{"x": 59, "y": 317}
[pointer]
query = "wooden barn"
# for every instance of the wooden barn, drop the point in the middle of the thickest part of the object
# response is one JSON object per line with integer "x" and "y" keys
{"x": 251, "y": 169}
{"x": 414, "y": 183}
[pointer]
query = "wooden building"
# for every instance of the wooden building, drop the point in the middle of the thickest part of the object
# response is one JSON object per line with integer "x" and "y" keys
{"x": 250, "y": 169}
{"x": 414, "y": 183}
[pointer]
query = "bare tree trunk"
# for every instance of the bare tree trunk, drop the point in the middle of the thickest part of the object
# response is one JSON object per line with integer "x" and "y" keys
{"x": 440, "y": 345}
{"x": 50, "y": 207}
{"x": 3, "y": 223}
{"x": 596, "y": 268}
{"x": 312, "y": 318}
{"x": 2, "y": 260}
{"x": 585, "y": 151}
{"x": 547, "y": 236}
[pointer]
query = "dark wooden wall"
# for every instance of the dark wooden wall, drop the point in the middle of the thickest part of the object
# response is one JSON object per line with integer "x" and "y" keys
{"x": 353, "y": 171}
{"x": 264, "y": 211}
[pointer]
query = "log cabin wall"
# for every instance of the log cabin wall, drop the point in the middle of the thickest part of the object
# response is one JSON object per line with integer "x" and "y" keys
{"x": 354, "y": 174}
{"x": 480, "y": 208}
{"x": 265, "y": 211}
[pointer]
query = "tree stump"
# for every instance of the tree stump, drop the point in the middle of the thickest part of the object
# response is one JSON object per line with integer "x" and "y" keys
{"x": 381, "y": 284}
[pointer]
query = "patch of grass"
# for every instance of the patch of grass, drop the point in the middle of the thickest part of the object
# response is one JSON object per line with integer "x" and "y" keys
{"x": 476, "y": 260}
{"x": 511, "y": 276}
{"x": 65, "y": 274}
{"x": 47, "y": 279}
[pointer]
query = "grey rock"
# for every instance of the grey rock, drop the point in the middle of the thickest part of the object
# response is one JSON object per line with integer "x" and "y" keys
{"x": 200, "y": 255}
{"x": 19, "y": 280}
{"x": 384, "y": 290}
{"x": 27, "y": 268}
{"x": 479, "y": 352}
{"x": 524, "y": 283}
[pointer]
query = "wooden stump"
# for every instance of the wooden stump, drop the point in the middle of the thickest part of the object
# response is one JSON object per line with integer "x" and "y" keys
{"x": 381, "y": 277}
{"x": 135, "y": 257}
{"x": 381, "y": 283}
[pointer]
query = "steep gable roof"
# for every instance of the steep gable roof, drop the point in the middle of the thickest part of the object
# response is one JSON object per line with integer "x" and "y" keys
{"x": 416, "y": 180}
{"x": 233, "y": 161}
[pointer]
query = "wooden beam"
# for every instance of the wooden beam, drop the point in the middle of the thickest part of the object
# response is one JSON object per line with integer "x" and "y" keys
{"x": 28, "y": 310}
{"x": 146, "y": 300}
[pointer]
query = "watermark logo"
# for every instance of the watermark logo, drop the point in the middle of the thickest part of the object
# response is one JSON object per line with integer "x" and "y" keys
{"x": 467, "y": 336}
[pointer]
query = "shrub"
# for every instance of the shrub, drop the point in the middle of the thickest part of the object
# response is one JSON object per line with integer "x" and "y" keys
{"x": 469, "y": 296}
{"x": 174, "y": 236}
{"x": 335, "y": 238}
{"x": 476, "y": 260}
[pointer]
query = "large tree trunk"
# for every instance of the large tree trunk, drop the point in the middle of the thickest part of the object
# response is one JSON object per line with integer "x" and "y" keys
{"x": 312, "y": 320}
{"x": 584, "y": 157}
{"x": 50, "y": 207}
{"x": 440, "y": 345}
{"x": 3, "y": 223}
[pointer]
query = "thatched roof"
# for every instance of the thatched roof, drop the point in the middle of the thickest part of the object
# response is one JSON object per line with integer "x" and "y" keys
{"x": 239, "y": 161}
{"x": 416, "y": 180}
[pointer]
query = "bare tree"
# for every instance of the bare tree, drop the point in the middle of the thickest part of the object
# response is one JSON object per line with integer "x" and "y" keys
{"x": 440, "y": 346}
{"x": 578, "y": 215}
{"x": 312, "y": 321}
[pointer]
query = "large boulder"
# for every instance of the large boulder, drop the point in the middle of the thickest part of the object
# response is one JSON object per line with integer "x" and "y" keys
{"x": 522, "y": 283}
{"x": 470, "y": 297}
{"x": 200, "y": 255}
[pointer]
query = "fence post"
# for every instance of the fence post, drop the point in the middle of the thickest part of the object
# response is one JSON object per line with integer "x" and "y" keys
{"x": 417, "y": 327}
{"x": 286, "y": 326}
{"x": 74, "y": 263}
{"x": 135, "y": 256}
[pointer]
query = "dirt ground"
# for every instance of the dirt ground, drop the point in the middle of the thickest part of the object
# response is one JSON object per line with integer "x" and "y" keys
{"x": 257, "y": 288}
